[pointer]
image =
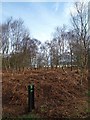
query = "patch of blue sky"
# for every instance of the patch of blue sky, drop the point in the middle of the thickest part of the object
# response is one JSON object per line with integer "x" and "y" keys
{"x": 41, "y": 18}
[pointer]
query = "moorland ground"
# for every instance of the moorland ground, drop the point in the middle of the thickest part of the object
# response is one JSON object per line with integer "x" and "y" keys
{"x": 58, "y": 93}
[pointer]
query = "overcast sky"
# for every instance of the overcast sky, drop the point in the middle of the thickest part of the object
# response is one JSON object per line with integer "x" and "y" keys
{"x": 40, "y": 17}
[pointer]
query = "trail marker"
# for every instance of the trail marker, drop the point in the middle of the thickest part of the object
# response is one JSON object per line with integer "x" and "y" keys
{"x": 30, "y": 98}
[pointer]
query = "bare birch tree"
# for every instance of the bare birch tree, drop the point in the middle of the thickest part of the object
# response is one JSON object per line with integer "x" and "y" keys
{"x": 80, "y": 26}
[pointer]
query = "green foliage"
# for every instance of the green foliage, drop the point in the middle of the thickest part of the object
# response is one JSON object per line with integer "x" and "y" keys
{"x": 28, "y": 116}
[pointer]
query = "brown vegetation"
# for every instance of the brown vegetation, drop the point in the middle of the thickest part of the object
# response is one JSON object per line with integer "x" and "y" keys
{"x": 57, "y": 93}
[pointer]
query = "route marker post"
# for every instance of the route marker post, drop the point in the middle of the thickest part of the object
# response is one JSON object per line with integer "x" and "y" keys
{"x": 30, "y": 98}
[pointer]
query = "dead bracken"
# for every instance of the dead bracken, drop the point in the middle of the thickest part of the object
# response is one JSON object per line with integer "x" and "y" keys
{"x": 56, "y": 94}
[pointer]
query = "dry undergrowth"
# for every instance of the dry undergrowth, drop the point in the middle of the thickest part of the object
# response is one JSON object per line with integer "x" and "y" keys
{"x": 57, "y": 93}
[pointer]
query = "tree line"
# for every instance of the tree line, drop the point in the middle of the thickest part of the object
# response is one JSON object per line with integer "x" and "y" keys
{"x": 68, "y": 46}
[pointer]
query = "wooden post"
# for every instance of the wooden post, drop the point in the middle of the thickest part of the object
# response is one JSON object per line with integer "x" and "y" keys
{"x": 32, "y": 89}
{"x": 30, "y": 98}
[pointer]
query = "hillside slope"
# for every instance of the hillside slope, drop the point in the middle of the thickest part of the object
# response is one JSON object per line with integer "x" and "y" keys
{"x": 57, "y": 93}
